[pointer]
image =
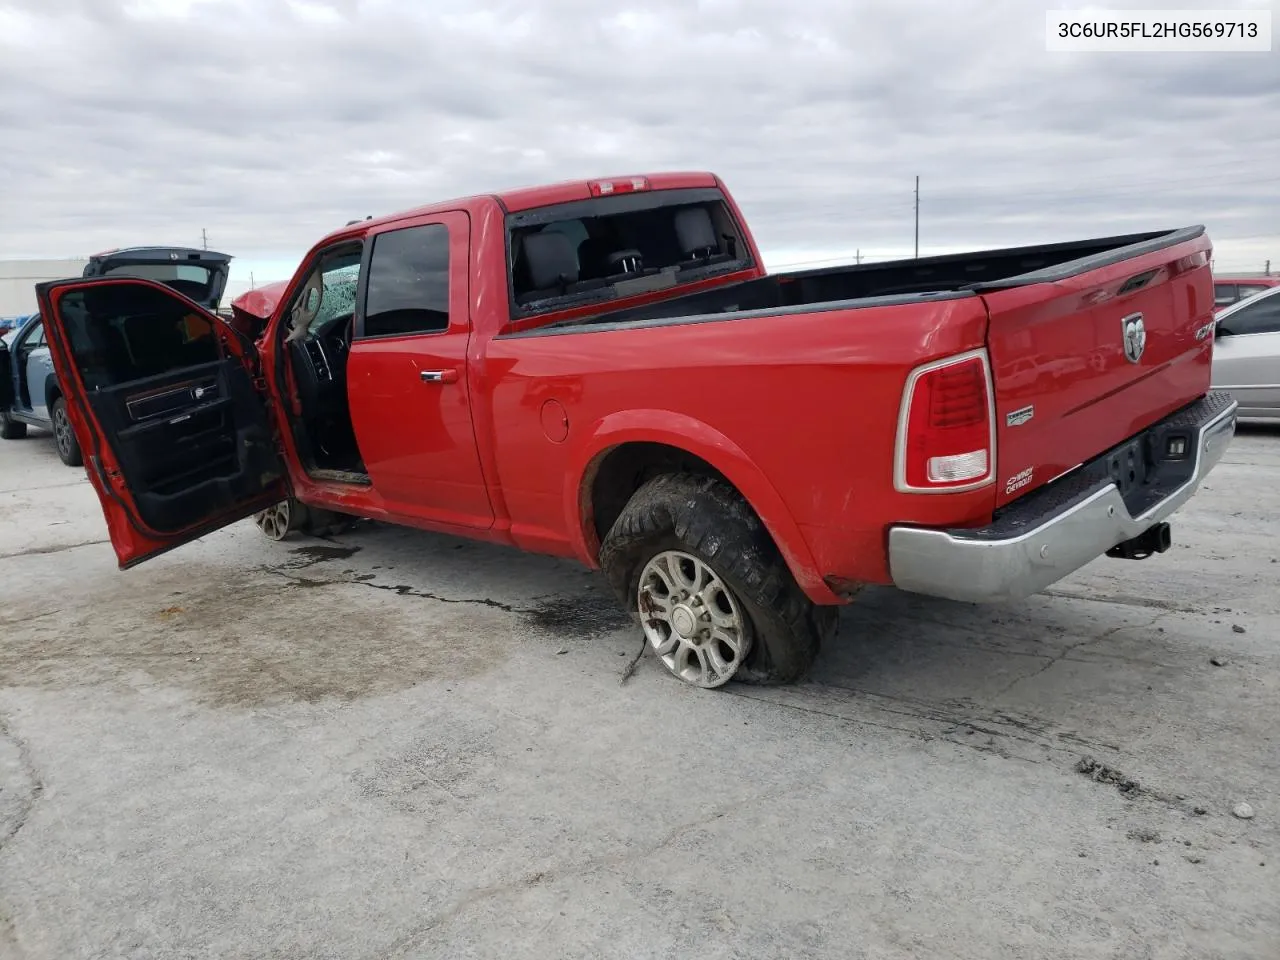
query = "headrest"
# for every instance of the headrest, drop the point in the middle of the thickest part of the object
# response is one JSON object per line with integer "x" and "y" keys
{"x": 695, "y": 230}
{"x": 551, "y": 259}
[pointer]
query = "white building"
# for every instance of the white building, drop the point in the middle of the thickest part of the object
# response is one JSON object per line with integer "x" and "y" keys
{"x": 18, "y": 279}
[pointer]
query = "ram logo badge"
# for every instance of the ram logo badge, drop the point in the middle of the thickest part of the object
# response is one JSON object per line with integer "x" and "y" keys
{"x": 1134, "y": 331}
{"x": 1019, "y": 417}
{"x": 1019, "y": 480}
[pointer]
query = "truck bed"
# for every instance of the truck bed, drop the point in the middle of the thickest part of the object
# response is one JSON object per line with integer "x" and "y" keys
{"x": 922, "y": 278}
{"x": 1087, "y": 343}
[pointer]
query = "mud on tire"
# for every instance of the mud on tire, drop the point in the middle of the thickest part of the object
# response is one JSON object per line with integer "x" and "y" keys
{"x": 708, "y": 518}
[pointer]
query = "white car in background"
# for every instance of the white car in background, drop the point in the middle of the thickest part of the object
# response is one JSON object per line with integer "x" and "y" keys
{"x": 1246, "y": 354}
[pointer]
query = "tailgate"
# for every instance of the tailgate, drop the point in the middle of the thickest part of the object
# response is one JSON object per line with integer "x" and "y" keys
{"x": 1088, "y": 353}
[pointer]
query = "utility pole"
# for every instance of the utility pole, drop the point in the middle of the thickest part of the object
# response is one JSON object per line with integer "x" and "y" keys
{"x": 917, "y": 216}
{"x": 204, "y": 238}
{"x": 858, "y": 256}
{"x": 1268, "y": 272}
{"x": 251, "y": 286}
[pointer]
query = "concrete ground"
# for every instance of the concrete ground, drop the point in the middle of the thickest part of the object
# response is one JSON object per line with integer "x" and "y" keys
{"x": 396, "y": 745}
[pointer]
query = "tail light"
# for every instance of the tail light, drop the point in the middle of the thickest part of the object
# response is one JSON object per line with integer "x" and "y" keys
{"x": 603, "y": 188}
{"x": 946, "y": 429}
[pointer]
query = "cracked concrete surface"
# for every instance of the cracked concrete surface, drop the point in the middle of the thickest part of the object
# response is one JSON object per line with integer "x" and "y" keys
{"x": 371, "y": 746}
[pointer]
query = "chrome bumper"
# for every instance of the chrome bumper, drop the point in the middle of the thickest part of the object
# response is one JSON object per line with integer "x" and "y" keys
{"x": 1011, "y": 561}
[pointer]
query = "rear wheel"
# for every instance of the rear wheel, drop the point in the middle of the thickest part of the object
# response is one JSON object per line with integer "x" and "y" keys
{"x": 11, "y": 429}
{"x": 714, "y": 596}
{"x": 64, "y": 437}
{"x": 691, "y": 619}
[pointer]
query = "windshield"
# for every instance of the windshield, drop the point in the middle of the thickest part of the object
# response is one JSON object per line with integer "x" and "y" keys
{"x": 610, "y": 247}
{"x": 328, "y": 294}
{"x": 338, "y": 298}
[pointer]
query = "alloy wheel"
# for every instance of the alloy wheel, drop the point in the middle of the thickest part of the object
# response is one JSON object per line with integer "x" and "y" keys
{"x": 692, "y": 620}
{"x": 63, "y": 435}
{"x": 275, "y": 521}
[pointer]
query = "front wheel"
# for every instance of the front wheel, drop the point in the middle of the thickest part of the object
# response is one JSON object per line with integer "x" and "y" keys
{"x": 286, "y": 517}
{"x": 290, "y": 516}
{"x": 64, "y": 437}
{"x": 714, "y": 596}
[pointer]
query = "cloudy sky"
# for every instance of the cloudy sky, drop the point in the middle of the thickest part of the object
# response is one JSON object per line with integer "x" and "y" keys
{"x": 270, "y": 122}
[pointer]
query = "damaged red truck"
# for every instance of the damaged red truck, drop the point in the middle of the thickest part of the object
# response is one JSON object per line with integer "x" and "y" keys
{"x": 604, "y": 370}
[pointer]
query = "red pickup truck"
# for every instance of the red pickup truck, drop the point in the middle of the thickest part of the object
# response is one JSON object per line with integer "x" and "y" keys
{"x": 604, "y": 370}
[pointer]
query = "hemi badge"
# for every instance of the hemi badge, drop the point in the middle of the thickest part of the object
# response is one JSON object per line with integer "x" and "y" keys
{"x": 1019, "y": 417}
{"x": 1203, "y": 333}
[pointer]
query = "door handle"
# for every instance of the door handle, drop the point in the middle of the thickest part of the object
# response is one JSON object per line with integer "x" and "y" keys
{"x": 439, "y": 376}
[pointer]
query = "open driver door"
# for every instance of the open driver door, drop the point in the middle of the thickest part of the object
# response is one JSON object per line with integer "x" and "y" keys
{"x": 177, "y": 440}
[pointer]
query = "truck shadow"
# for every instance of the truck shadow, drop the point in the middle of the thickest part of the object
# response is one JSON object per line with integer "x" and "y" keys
{"x": 382, "y": 608}
{"x": 1022, "y": 680}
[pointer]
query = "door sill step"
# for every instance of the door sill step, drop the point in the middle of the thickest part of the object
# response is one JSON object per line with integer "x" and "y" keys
{"x": 341, "y": 476}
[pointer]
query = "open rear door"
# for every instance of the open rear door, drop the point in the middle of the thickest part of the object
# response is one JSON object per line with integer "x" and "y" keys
{"x": 177, "y": 441}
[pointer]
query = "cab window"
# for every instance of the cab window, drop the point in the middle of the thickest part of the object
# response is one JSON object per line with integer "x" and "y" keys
{"x": 35, "y": 336}
{"x": 408, "y": 287}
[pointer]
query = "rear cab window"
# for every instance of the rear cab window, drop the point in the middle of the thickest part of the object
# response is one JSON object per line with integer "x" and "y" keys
{"x": 611, "y": 247}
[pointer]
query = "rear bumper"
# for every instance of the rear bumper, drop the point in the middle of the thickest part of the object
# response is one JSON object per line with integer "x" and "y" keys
{"x": 1059, "y": 528}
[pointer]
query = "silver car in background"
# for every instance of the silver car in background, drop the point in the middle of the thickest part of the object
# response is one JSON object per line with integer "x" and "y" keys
{"x": 1246, "y": 354}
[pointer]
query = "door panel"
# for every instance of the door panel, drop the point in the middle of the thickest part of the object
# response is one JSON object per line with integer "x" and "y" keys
{"x": 1249, "y": 367}
{"x": 407, "y": 374}
{"x": 177, "y": 439}
{"x": 1246, "y": 354}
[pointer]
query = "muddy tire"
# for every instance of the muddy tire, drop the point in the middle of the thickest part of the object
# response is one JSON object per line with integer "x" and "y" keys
{"x": 11, "y": 429}
{"x": 64, "y": 435}
{"x": 707, "y": 520}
